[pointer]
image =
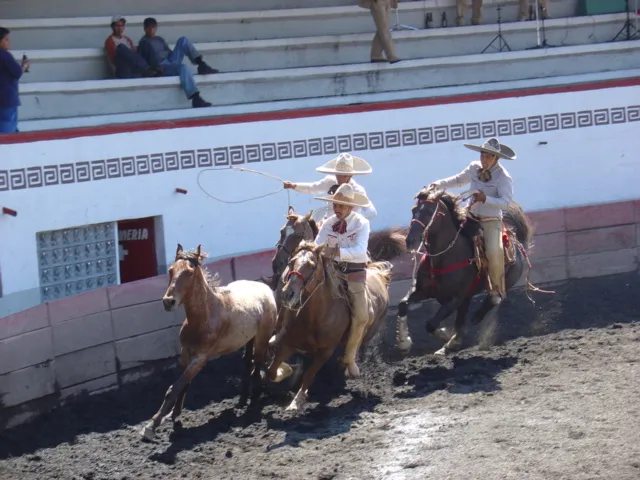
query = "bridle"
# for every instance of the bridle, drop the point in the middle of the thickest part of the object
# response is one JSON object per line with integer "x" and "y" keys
{"x": 306, "y": 282}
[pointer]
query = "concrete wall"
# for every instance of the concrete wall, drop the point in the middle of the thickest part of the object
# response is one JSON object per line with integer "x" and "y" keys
{"x": 107, "y": 337}
{"x": 561, "y": 139}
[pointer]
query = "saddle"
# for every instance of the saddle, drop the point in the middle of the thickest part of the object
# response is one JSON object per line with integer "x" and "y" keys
{"x": 509, "y": 245}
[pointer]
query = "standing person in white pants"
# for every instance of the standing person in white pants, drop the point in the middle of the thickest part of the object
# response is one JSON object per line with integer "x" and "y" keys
{"x": 382, "y": 40}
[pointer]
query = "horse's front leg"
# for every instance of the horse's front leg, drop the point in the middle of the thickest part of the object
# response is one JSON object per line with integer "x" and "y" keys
{"x": 455, "y": 341}
{"x": 443, "y": 312}
{"x": 278, "y": 370}
{"x": 173, "y": 392}
{"x": 486, "y": 307}
{"x": 248, "y": 360}
{"x": 300, "y": 400}
{"x": 403, "y": 340}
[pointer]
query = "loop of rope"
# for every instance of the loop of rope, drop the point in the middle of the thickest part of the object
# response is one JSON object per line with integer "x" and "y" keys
{"x": 242, "y": 169}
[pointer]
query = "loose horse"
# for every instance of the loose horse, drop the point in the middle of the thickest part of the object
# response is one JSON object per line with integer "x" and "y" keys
{"x": 316, "y": 320}
{"x": 220, "y": 320}
{"x": 449, "y": 269}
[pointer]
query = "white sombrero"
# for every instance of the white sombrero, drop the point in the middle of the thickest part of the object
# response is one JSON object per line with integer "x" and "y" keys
{"x": 494, "y": 147}
{"x": 346, "y": 164}
{"x": 346, "y": 196}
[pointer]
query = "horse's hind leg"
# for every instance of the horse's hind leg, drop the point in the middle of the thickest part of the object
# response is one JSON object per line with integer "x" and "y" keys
{"x": 173, "y": 392}
{"x": 319, "y": 360}
{"x": 248, "y": 359}
{"x": 455, "y": 341}
{"x": 486, "y": 306}
{"x": 260, "y": 349}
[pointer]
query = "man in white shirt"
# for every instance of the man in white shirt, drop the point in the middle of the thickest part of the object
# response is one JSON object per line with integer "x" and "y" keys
{"x": 494, "y": 194}
{"x": 346, "y": 236}
{"x": 340, "y": 171}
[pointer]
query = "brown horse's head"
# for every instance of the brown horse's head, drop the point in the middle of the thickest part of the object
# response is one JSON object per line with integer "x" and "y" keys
{"x": 305, "y": 274}
{"x": 182, "y": 275}
{"x": 297, "y": 229}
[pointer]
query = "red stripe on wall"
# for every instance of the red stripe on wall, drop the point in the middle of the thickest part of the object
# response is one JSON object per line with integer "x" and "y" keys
{"x": 63, "y": 134}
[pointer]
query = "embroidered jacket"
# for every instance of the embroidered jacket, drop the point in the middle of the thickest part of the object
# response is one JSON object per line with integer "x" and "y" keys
{"x": 323, "y": 186}
{"x": 353, "y": 243}
{"x": 499, "y": 190}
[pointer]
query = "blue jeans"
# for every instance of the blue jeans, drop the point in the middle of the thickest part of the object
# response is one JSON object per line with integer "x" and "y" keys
{"x": 128, "y": 63}
{"x": 172, "y": 65}
{"x": 9, "y": 120}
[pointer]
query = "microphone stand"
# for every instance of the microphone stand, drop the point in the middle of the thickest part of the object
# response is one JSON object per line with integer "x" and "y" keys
{"x": 501, "y": 41}
{"x": 628, "y": 26}
{"x": 540, "y": 20}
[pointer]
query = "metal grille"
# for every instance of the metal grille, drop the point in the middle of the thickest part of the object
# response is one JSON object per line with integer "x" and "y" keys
{"x": 76, "y": 260}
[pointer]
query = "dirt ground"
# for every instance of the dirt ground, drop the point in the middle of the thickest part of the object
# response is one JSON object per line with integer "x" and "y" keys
{"x": 556, "y": 396}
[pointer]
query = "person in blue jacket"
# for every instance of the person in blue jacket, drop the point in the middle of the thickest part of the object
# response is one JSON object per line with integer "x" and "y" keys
{"x": 10, "y": 73}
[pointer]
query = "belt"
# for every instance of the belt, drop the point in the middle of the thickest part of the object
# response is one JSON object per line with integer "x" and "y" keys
{"x": 346, "y": 267}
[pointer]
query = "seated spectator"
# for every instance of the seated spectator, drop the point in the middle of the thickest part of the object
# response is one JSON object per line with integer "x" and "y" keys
{"x": 528, "y": 10}
{"x": 10, "y": 73}
{"x": 157, "y": 53}
{"x": 121, "y": 54}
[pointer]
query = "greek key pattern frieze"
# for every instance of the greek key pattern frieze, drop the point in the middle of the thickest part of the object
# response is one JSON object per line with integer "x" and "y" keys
{"x": 109, "y": 168}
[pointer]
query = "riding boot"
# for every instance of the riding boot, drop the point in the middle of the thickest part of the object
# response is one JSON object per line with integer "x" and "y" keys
{"x": 359, "y": 321}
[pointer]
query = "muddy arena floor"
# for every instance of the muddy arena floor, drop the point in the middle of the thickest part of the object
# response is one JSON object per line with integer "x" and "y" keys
{"x": 555, "y": 396}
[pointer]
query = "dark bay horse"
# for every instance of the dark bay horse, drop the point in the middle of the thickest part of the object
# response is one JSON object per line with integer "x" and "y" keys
{"x": 316, "y": 319}
{"x": 220, "y": 320}
{"x": 449, "y": 270}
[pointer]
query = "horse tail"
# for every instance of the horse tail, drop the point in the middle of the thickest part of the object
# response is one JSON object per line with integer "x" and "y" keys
{"x": 387, "y": 244}
{"x": 516, "y": 217}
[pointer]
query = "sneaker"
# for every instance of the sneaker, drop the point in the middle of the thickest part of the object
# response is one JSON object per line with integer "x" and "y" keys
{"x": 198, "y": 102}
{"x": 204, "y": 69}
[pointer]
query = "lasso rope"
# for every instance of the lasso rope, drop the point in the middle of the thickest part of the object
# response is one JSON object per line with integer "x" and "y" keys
{"x": 242, "y": 169}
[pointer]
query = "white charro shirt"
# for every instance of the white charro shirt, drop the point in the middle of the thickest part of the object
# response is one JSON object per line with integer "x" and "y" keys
{"x": 354, "y": 243}
{"x": 323, "y": 186}
{"x": 499, "y": 190}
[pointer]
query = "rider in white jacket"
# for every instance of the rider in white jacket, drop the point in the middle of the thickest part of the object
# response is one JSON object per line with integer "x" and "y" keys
{"x": 340, "y": 170}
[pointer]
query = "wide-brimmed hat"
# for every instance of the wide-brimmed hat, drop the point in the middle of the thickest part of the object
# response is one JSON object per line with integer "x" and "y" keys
{"x": 346, "y": 164}
{"x": 346, "y": 196}
{"x": 494, "y": 147}
{"x": 117, "y": 18}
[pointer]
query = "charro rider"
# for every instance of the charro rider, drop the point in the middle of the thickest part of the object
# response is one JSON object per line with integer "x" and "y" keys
{"x": 340, "y": 171}
{"x": 346, "y": 236}
{"x": 494, "y": 192}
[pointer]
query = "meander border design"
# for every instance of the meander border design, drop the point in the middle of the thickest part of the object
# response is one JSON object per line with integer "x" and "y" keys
{"x": 86, "y": 171}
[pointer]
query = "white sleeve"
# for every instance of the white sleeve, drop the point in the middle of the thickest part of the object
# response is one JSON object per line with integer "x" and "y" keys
{"x": 458, "y": 180}
{"x": 316, "y": 188}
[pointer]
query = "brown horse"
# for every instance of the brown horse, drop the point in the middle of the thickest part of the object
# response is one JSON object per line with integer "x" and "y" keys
{"x": 220, "y": 320}
{"x": 383, "y": 245}
{"x": 449, "y": 270}
{"x": 316, "y": 320}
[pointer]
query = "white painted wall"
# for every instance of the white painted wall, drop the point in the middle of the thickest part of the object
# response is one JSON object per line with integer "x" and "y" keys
{"x": 577, "y": 166}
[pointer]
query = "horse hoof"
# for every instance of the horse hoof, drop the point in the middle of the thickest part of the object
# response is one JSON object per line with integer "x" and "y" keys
{"x": 148, "y": 432}
{"x": 352, "y": 371}
{"x": 284, "y": 371}
{"x": 441, "y": 334}
{"x": 167, "y": 418}
{"x": 404, "y": 346}
{"x": 441, "y": 353}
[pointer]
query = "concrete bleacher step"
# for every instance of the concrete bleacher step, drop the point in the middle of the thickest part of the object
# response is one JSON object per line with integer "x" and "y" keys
{"x": 74, "y": 8}
{"x": 90, "y": 32}
{"x": 90, "y": 64}
{"x": 72, "y": 99}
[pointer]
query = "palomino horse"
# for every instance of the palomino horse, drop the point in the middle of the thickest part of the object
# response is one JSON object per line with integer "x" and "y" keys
{"x": 220, "y": 320}
{"x": 318, "y": 323}
{"x": 448, "y": 271}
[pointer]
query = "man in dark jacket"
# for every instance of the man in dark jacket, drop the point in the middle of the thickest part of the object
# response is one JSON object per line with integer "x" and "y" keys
{"x": 10, "y": 73}
{"x": 156, "y": 52}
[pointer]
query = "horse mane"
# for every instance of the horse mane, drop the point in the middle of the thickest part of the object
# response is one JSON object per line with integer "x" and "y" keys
{"x": 192, "y": 256}
{"x": 458, "y": 213}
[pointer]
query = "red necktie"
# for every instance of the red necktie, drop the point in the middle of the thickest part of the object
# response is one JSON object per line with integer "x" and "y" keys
{"x": 340, "y": 227}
